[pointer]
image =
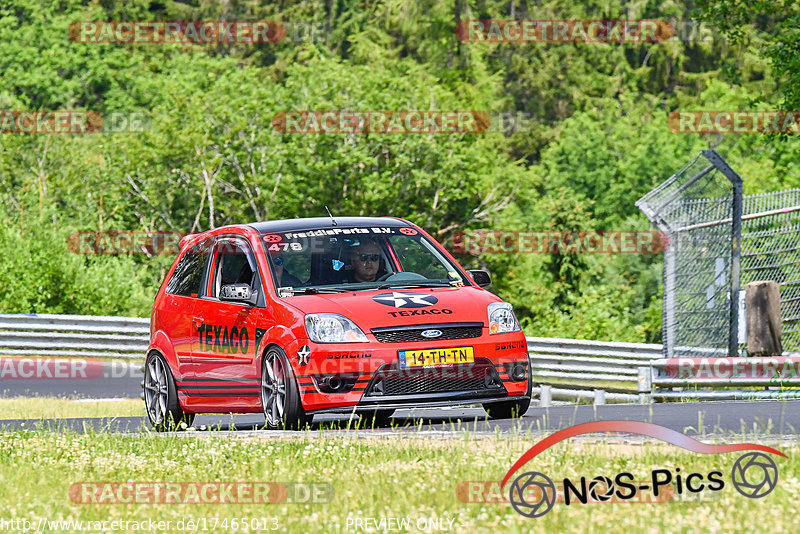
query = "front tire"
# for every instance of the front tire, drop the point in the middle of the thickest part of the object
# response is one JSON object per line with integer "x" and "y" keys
{"x": 161, "y": 396}
{"x": 280, "y": 396}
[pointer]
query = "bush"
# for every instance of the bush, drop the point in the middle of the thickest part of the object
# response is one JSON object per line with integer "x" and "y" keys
{"x": 40, "y": 275}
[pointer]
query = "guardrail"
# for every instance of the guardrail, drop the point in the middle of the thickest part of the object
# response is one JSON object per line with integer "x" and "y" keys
{"x": 575, "y": 369}
{"x": 73, "y": 335}
{"x": 563, "y": 369}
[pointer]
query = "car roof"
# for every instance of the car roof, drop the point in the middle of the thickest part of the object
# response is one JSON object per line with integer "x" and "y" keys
{"x": 315, "y": 223}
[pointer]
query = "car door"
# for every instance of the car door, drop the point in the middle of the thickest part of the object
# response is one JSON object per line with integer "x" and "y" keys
{"x": 226, "y": 334}
{"x": 177, "y": 306}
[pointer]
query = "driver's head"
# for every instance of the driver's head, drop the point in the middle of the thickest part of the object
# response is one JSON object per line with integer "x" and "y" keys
{"x": 365, "y": 260}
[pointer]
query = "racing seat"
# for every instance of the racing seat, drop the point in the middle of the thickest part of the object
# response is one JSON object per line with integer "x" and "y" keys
{"x": 326, "y": 274}
{"x": 245, "y": 275}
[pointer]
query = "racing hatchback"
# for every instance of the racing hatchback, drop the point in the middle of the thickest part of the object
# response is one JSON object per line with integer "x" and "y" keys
{"x": 299, "y": 317}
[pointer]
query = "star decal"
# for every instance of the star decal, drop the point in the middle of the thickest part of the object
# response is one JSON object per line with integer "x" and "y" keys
{"x": 405, "y": 300}
{"x": 303, "y": 354}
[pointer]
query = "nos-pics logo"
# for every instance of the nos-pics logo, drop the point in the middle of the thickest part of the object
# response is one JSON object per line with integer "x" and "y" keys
{"x": 533, "y": 494}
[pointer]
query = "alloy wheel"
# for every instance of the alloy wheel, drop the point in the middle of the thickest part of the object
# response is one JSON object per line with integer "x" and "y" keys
{"x": 273, "y": 389}
{"x": 156, "y": 391}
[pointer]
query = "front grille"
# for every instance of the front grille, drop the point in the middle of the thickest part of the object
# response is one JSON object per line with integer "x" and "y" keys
{"x": 392, "y": 380}
{"x": 409, "y": 386}
{"x": 406, "y": 334}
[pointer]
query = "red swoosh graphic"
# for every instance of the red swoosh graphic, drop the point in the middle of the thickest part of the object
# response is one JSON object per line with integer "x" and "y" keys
{"x": 633, "y": 427}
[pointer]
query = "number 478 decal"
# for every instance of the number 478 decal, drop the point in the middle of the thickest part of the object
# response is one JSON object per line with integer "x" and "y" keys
{"x": 277, "y": 247}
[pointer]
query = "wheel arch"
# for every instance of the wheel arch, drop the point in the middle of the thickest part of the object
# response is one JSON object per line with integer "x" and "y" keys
{"x": 172, "y": 371}
{"x": 162, "y": 344}
{"x": 281, "y": 337}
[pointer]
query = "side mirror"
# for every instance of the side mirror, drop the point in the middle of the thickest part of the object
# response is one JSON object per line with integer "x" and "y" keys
{"x": 238, "y": 293}
{"x": 481, "y": 278}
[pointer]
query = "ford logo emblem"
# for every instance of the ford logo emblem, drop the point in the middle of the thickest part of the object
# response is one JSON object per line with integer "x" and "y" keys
{"x": 431, "y": 333}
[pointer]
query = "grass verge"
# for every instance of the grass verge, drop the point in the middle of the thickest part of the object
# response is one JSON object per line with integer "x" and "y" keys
{"x": 57, "y": 408}
{"x": 372, "y": 478}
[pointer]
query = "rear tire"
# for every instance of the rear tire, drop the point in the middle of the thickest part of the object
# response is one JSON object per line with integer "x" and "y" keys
{"x": 280, "y": 396}
{"x": 510, "y": 409}
{"x": 161, "y": 396}
{"x": 375, "y": 418}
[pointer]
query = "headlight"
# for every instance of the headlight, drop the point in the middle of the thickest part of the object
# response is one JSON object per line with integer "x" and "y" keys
{"x": 332, "y": 328}
{"x": 502, "y": 319}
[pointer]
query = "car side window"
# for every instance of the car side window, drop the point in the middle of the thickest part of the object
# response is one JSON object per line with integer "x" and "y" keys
{"x": 235, "y": 263}
{"x": 188, "y": 275}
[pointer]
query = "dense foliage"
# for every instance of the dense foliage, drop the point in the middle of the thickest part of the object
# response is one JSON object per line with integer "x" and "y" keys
{"x": 593, "y": 140}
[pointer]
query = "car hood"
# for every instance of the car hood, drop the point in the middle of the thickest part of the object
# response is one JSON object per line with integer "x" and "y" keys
{"x": 392, "y": 307}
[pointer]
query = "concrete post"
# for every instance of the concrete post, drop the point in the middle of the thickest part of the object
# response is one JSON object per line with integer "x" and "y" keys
{"x": 545, "y": 396}
{"x": 764, "y": 329}
{"x": 599, "y": 397}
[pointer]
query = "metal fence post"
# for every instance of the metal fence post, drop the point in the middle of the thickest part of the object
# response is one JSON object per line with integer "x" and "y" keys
{"x": 736, "y": 246}
{"x": 668, "y": 313}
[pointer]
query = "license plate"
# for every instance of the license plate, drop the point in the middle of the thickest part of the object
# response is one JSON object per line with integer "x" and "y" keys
{"x": 430, "y": 357}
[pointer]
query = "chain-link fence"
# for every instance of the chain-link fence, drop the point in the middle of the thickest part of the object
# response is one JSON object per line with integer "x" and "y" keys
{"x": 771, "y": 251}
{"x": 699, "y": 208}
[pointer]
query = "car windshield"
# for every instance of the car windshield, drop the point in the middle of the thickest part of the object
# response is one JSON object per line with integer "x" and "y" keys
{"x": 332, "y": 260}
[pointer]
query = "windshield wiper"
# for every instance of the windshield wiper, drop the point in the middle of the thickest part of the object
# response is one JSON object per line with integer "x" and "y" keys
{"x": 408, "y": 284}
{"x": 288, "y": 291}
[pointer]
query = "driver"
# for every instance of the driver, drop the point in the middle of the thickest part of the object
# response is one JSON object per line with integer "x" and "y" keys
{"x": 365, "y": 261}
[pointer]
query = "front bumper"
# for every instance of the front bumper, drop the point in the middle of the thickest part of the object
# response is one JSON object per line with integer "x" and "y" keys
{"x": 375, "y": 381}
{"x": 405, "y": 405}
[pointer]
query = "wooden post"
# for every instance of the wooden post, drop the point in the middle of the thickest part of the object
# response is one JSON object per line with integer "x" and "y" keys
{"x": 764, "y": 331}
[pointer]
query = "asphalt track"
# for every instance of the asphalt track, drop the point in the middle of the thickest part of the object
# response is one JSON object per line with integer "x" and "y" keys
{"x": 778, "y": 418}
{"x": 118, "y": 380}
{"x": 105, "y": 380}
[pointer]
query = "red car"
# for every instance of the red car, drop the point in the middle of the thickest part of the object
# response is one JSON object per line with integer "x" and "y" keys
{"x": 297, "y": 317}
